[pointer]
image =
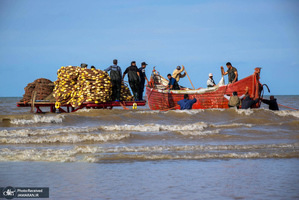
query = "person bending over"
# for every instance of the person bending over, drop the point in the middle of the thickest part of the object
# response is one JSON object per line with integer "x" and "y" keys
{"x": 248, "y": 102}
{"x": 235, "y": 101}
{"x": 173, "y": 84}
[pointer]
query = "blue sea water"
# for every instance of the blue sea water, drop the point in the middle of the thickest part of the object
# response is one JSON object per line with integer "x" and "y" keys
{"x": 145, "y": 154}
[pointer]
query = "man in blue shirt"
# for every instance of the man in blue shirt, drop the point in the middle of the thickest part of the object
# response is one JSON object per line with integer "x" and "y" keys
{"x": 186, "y": 103}
{"x": 173, "y": 84}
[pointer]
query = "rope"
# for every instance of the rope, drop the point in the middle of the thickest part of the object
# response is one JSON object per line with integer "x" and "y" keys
{"x": 223, "y": 95}
{"x": 170, "y": 108}
{"x": 288, "y": 107}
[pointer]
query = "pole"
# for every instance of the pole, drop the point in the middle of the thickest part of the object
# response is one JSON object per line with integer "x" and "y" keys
{"x": 188, "y": 77}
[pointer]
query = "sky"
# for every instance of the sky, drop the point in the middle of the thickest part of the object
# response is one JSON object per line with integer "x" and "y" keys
{"x": 37, "y": 37}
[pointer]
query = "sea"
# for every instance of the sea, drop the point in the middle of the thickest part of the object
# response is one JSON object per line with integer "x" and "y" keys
{"x": 153, "y": 155}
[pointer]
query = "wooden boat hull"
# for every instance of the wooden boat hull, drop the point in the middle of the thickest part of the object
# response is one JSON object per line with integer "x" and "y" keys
{"x": 167, "y": 100}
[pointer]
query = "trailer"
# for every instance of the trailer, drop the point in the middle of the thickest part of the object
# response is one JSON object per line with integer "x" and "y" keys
{"x": 67, "y": 108}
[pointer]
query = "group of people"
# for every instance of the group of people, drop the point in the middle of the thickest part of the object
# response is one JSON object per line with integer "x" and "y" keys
{"x": 136, "y": 76}
{"x": 233, "y": 101}
{"x": 245, "y": 101}
{"x": 176, "y": 75}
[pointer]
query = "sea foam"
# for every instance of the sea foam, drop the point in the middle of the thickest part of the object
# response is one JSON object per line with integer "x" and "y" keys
{"x": 39, "y": 119}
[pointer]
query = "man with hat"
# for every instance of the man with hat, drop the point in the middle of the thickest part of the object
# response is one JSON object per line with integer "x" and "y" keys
{"x": 142, "y": 80}
{"x": 134, "y": 79}
{"x": 116, "y": 79}
{"x": 177, "y": 73}
{"x": 211, "y": 82}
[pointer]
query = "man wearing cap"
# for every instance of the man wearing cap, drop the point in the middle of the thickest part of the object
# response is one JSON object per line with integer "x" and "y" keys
{"x": 177, "y": 73}
{"x": 235, "y": 101}
{"x": 211, "y": 82}
{"x": 116, "y": 79}
{"x": 142, "y": 79}
{"x": 84, "y": 65}
{"x": 134, "y": 79}
{"x": 232, "y": 73}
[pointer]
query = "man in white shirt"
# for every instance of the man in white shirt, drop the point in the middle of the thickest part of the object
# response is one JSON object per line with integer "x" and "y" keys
{"x": 211, "y": 82}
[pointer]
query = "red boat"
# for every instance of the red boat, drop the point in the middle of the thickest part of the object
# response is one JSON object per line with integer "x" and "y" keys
{"x": 207, "y": 98}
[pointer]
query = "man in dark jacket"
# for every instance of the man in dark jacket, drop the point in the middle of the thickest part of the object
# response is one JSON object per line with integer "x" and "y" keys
{"x": 186, "y": 103}
{"x": 272, "y": 103}
{"x": 134, "y": 79}
{"x": 142, "y": 79}
{"x": 116, "y": 79}
{"x": 173, "y": 84}
{"x": 248, "y": 102}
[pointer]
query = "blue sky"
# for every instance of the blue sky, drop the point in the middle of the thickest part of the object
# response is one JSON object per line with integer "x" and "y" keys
{"x": 37, "y": 37}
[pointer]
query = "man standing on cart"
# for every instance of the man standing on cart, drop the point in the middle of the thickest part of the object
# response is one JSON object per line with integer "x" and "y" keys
{"x": 116, "y": 79}
{"x": 142, "y": 80}
{"x": 134, "y": 79}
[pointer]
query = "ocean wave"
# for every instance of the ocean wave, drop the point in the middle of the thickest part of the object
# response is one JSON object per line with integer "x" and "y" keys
{"x": 38, "y": 119}
{"x": 83, "y": 110}
{"x": 43, "y": 132}
{"x": 65, "y": 138}
{"x": 87, "y": 153}
{"x": 231, "y": 125}
{"x": 191, "y": 156}
{"x": 48, "y": 155}
{"x": 200, "y": 126}
{"x": 190, "y": 112}
{"x": 244, "y": 111}
{"x": 284, "y": 113}
{"x": 156, "y": 127}
{"x": 194, "y": 133}
{"x": 153, "y": 112}
{"x": 159, "y": 148}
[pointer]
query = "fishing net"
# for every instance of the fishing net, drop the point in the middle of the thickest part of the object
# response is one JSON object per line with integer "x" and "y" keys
{"x": 76, "y": 85}
{"x": 125, "y": 93}
{"x": 43, "y": 88}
